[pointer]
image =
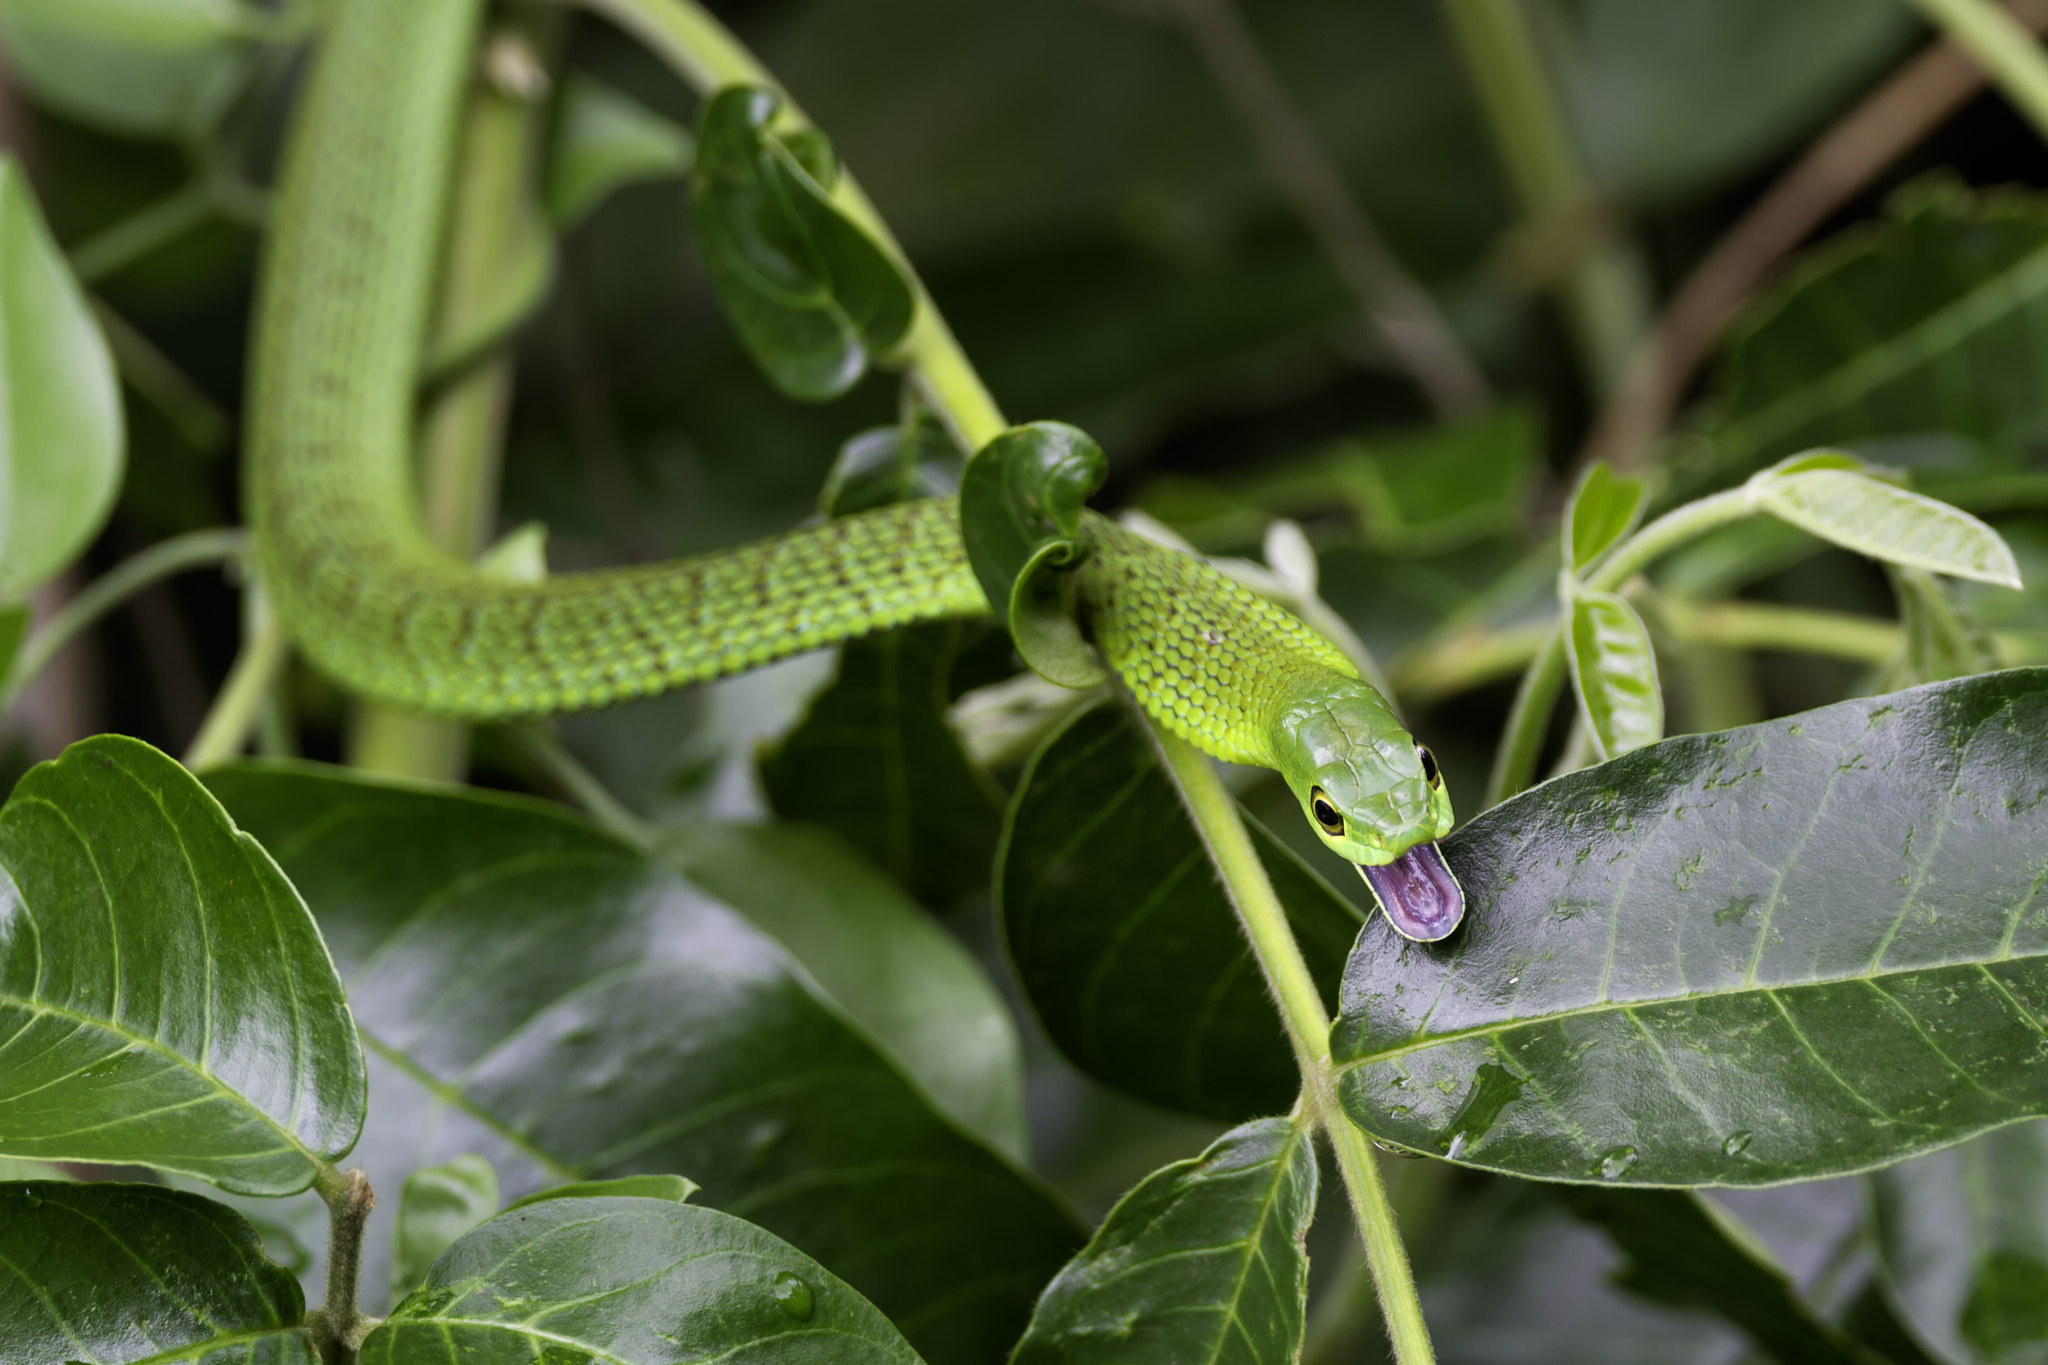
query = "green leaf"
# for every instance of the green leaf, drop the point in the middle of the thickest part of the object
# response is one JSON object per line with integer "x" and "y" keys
{"x": 1614, "y": 672}
{"x": 1925, "y": 323}
{"x": 61, "y": 438}
{"x": 887, "y": 465}
{"x": 1021, "y": 501}
{"x": 438, "y": 1204}
{"x": 906, "y": 980}
{"x": 1885, "y": 522}
{"x": 1787, "y": 951}
{"x": 118, "y": 1273}
{"x": 812, "y": 296}
{"x": 1687, "y": 1251}
{"x": 1942, "y": 639}
{"x": 877, "y": 760}
{"x": 533, "y": 991}
{"x": 674, "y": 1188}
{"x": 1963, "y": 1239}
{"x": 138, "y": 68}
{"x": 1124, "y": 943}
{"x": 630, "y": 1282}
{"x": 1204, "y": 1260}
{"x": 164, "y": 997}
{"x": 605, "y": 140}
{"x": 1605, "y": 507}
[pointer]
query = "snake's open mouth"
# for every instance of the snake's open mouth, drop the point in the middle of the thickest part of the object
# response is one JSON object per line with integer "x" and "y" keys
{"x": 1418, "y": 893}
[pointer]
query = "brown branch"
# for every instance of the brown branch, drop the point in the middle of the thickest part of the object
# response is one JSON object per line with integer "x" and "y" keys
{"x": 1847, "y": 158}
{"x": 1405, "y": 316}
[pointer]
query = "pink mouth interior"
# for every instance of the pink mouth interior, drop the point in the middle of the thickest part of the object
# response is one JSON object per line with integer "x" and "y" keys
{"x": 1418, "y": 893}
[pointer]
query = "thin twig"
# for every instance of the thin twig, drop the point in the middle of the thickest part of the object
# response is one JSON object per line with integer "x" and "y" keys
{"x": 338, "y": 1329}
{"x": 1847, "y": 158}
{"x": 1403, "y": 312}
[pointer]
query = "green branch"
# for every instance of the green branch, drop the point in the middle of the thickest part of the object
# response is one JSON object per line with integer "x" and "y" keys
{"x": 232, "y": 719}
{"x": 1307, "y": 1022}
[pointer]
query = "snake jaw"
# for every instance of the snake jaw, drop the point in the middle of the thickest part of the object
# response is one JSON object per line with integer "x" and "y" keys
{"x": 1418, "y": 893}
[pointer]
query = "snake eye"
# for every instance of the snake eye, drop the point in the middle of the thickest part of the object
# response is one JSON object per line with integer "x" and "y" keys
{"x": 1325, "y": 813}
{"x": 1429, "y": 772}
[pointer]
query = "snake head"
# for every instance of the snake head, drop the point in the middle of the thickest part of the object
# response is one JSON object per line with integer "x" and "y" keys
{"x": 1369, "y": 790}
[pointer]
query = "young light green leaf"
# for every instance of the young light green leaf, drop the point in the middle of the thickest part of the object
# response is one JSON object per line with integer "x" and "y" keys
{"x": 1614, "y": 672}
{"x": 1605, "y": 507}
{"x": 1687, "y": 1251}
{"x": 115, "y": 1274}
{"x": 674, "y": 1188}
{"x": 139, "y": 68}
{"x": 61, "y": 438}
{"x": 812, "y": 296}
{"x": 1942, "y": 639}
{"x": 1963, "y": 1240}
{"x": 534, "y": 991}
{"x": 1202, "y": 1261}
{"x": 164, "y": 997}
{"x": 438, "y": 1204}
{"x": 882, "y": 959}
{"x": 1123, "y": 941}
{"x": 1893, "y": 524}
{"x": 630, "y": 1282}
{"x": 604, "y": 141}
{"x": 1793, "y": 950}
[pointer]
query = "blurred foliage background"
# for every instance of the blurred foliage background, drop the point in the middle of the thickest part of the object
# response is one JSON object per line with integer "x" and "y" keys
{"x": 1114, "y": 248}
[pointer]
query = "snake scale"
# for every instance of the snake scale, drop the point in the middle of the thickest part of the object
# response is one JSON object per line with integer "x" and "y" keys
{"x": 341, "y": 323}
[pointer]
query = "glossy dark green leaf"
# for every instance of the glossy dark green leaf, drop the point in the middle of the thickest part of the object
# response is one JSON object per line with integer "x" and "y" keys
{"x": 812, "y": 296}
{"x": 437, "y": 1205}
{"x": 1688, "y": 1252}
{"x": 630, "y": 1282}
{"x": 1605, "y": 507}
{"x": 1124, "y": 943}
{"x": 1021, "y": 500}
{"x": 877, "y": 760}
{"x": 605, "y": 140}
{"x": 113, "y": 1274}
{"x": 674, "y": 1188}
{"x": 887, "y": 465}
{"x": 61, "y": 437}
{"x": 1202, "y": 1261}
{"x": 140, "y": 68}
{"x": 912, "y": 985}
{"x": 164, "y": 997}
{"x": 1963, "y": 1238}
{"x": 1796, "y": 949}
{"x": 1875, "y": 518}
{"x": 1614, "y": 672}
{"x": 1921, "y": 324}
{"x": 533, "y": 991}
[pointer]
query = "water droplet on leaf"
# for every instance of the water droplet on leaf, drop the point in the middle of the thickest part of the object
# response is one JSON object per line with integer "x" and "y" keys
{"x": 1735, "y": 1143}
{"x": 793, "y": 1294}
{"x": 1615, "y": 1161}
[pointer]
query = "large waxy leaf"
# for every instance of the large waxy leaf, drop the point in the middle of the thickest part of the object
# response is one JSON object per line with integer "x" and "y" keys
{"x": 912, "y": 985}
{"x": 876, "y": 759}
{"x": 535, "y": 992}
{"x": 630, "y": 1282}
{"x": 1923, "y": 324}
{"x": 1791, "y": 950}
{"x": 61, "y": 438}
{"x": 164, "y": 996}
{"x": 1202, "y": 1261}
{"x": 148, "y": 68}
{"x": 812, "y": 296}
{"x": 1963, "y": 1238}
{"x": 118, "y": 1273}
{"x": 1123, "y": 941}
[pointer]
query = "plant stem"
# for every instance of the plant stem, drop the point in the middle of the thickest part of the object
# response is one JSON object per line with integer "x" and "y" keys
{"x": 1405, "y": 316}
{"x": 227, "y": 727}
{"x": 1759, "y": 625}
{"x": 188, "y": 551}
{"x": 339, "y": 1328}
{"x": 1307, "y": 1022}
{"x": 541, "y": 744}
{"x": 493, "y": 234}
{"x": 2002, "y": 46}
{"x": 1605, "y": 298}
{"x": 1529, "y": 718}
{"x": 137, "y": 235}
{"x": 706, "y": 55}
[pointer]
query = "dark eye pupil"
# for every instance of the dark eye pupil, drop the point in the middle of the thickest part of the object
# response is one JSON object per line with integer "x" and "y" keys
{"x": 1326, "y": 814}
{"x": 1428, "y": 763}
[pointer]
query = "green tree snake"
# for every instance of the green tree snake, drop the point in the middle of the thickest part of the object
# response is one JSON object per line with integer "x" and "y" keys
{"x": 341, "y": 322}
